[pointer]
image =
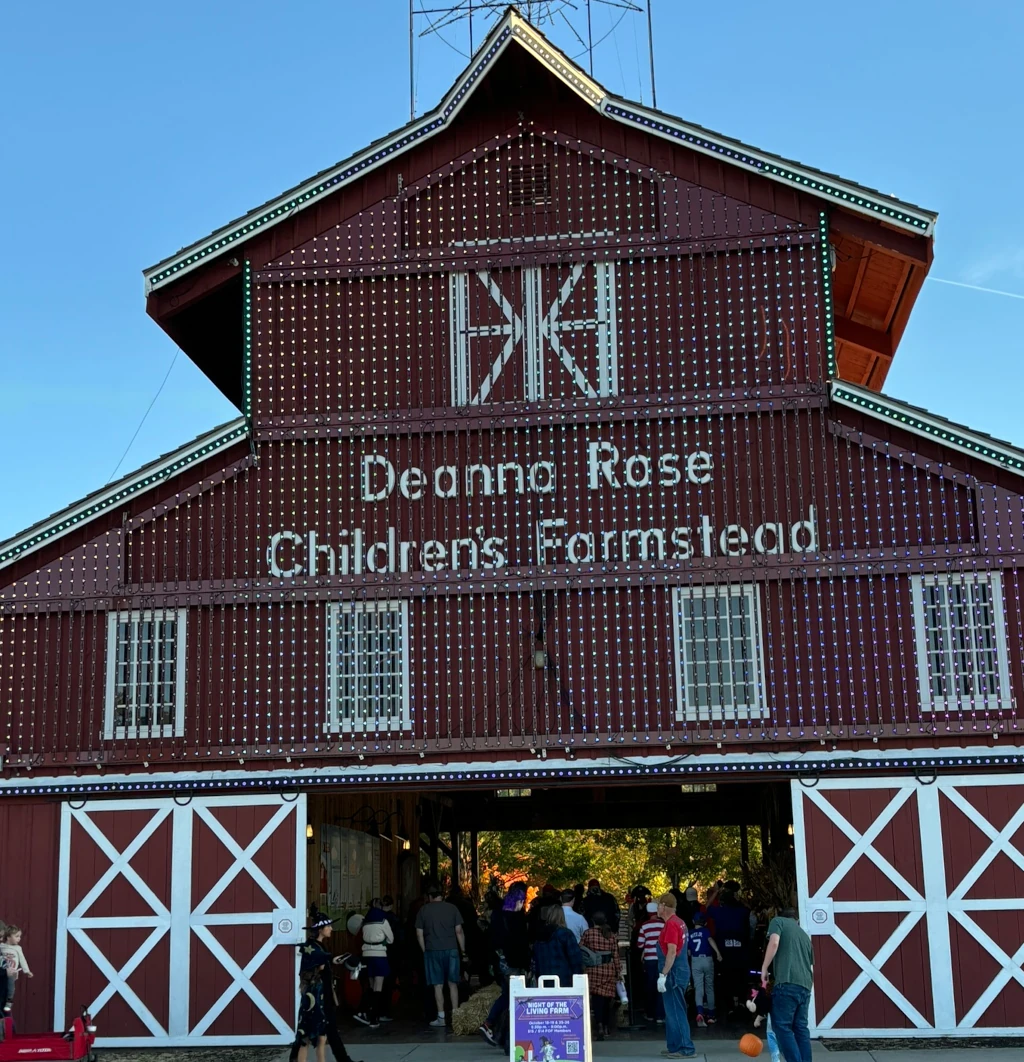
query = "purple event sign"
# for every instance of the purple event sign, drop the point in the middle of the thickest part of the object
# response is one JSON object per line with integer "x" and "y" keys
{"x": 549, "y": 1029}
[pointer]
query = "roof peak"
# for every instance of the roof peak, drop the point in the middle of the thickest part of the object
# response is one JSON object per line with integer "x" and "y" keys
{"x": 513, "y": 28}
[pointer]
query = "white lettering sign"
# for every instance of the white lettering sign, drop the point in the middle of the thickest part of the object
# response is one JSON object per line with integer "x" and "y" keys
{"x": 292, "y": 553}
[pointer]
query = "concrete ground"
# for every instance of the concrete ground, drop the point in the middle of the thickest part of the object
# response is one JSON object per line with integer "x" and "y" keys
{"x": 465, "y": 1050}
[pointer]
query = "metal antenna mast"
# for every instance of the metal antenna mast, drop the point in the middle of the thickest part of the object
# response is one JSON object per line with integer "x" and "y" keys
{"x": 570, "y": 22}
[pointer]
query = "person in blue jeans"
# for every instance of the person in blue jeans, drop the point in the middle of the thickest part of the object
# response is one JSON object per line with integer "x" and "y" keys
{"x": 673, "y": 980}
{"x": 791, "y": 958}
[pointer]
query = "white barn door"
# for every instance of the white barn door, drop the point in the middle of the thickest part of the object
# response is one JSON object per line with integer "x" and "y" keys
{"x": 174, "y": 918}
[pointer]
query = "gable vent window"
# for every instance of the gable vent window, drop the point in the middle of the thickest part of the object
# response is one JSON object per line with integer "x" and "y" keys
{"x": 529, "y": 186}
{"x": 367, "y": 667}
{"x": 961, "y": 641}
{"x": 145, "y": 674}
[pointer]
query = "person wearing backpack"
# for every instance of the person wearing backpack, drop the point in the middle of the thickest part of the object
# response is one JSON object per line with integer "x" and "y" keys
{"x": 555, "y": 951}
{"x": 603, "y": 975}
{"x": 377, "y": 935}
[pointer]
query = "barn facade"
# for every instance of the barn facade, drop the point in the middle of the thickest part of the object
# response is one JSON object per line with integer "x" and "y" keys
{"x": 563, "y": 460}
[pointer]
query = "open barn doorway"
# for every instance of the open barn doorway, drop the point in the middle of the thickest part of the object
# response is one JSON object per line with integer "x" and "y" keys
{"x": 712, "y": 844}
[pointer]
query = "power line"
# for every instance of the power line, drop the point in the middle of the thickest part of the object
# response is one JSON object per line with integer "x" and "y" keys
{"x": 145, "y": 415}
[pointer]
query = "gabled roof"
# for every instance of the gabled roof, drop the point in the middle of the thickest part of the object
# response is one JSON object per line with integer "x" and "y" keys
{"x": 921, "y": 422}
{"x": 511, "y": 30}
{"x": 114, "y": 494}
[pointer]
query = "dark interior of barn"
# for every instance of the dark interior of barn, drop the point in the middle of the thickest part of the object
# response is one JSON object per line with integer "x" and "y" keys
{"x": 484, "y": 839}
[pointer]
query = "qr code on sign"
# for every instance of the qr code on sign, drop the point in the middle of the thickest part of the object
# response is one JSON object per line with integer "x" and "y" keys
{"x": 572, "y": 1048}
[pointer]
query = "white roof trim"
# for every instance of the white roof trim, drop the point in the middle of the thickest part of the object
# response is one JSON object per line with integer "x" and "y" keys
{"x": 41, "y": 534}
{"x": 844, "y": 193}
{"x": 514, "y": 27}
{"x": 502, "y": 773}
{"x": 920, "y": 422}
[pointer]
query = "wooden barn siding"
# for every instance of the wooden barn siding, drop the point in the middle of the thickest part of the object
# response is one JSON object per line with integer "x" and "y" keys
{"x": 767, "y": 466}
{"x": 257, "y": 676}
{"x": 20, "y": 581}
{"x": 30, "y": 833}
{"x": 53, "y": 665}
{"x": 720, "y": 321}
{"x": 511, "y": 88}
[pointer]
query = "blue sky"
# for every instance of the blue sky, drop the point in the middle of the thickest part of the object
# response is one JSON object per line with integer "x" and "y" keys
{"x": 132, "y": 129}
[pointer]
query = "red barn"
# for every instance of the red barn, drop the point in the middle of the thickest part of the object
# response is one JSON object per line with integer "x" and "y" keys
{"x": 563, "y": 462}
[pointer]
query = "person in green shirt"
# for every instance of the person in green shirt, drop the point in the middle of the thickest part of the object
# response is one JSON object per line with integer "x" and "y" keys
{"x": 791, "y": 957}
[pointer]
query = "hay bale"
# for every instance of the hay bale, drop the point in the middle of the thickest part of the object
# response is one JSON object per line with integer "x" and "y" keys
{"x": 470, "y": 1016}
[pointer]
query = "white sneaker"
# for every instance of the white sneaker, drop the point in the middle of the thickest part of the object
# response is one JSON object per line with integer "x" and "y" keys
{"x": 438, "y": 1022}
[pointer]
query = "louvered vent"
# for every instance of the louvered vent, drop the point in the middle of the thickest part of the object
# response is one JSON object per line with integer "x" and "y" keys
{"x": 529, "y": 186}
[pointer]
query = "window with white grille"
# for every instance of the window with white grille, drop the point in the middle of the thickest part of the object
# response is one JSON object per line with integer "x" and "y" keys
{"x": 145, "y": 674}
{"x": 368, "y": 666}
{"x": 719, "y": 657}
{"x": 961, "y": 641}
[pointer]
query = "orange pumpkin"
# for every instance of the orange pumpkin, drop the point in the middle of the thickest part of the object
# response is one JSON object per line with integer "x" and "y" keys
{"x": 751, "y": 1045}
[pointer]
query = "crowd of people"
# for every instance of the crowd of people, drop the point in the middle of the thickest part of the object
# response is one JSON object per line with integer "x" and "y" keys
{"x": 661, "y": 948}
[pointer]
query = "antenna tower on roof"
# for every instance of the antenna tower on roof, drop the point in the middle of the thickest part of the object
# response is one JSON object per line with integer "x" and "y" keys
{"x": 463, "y": 22}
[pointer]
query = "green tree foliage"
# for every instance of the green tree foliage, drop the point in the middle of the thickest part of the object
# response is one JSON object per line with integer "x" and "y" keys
{"x": 698, "y": 855}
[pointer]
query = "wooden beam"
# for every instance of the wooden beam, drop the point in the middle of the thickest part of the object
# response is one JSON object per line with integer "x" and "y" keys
{"x": 914, "y": 249}
{"x": 869, "y": 339}
{"x": 897, "y": 295}
{"x": 905, "y": 303}
{"x": 456, "y": 857}
{"x": 862, "y": 267}
{"x": 474, "y": 862}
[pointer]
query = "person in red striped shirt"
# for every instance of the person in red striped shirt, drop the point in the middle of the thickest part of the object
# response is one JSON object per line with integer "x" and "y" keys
{"x": 647, "y": 942}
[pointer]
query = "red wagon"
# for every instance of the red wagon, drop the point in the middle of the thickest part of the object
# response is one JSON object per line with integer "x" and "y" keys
{"x": 73, "y": 1046}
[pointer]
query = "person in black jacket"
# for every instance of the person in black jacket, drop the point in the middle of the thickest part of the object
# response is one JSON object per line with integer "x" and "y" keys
{"x": 508, "y": 937}
{"x": 599, "y": 900}
{"x": 555, "y": 951}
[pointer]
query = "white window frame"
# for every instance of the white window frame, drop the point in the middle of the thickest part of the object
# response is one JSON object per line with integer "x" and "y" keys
{"x": 999, "y": 699}
{"x": 687, "y": 708}
{"x": 152, "y": 730}
{"x": 372, "y": 721}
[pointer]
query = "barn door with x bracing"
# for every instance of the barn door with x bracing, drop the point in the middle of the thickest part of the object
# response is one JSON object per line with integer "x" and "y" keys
{"x": 168, "y": 915}
{"x": 913, "y": 894}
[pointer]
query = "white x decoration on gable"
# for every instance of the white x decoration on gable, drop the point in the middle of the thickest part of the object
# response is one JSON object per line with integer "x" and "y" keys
{"x": 187, "y": 917}
{"x": 531, "y": 333}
